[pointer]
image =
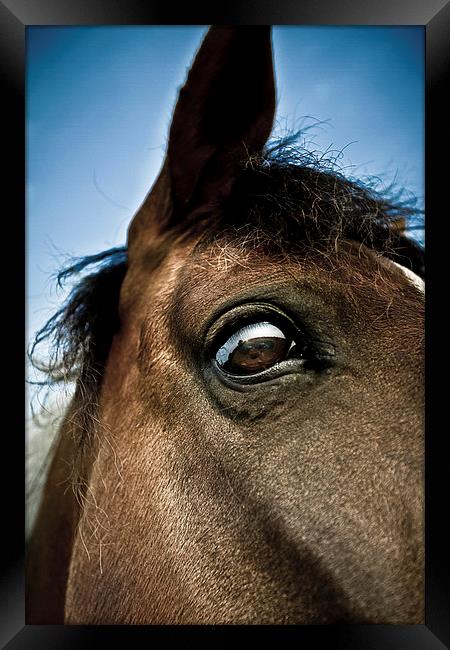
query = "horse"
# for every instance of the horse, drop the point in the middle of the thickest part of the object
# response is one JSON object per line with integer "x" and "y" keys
{"x": 245, "y": 442}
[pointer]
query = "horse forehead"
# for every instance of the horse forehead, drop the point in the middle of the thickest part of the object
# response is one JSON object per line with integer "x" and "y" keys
{"x": 227, "y": 267}
{"x": 226, "y": 264}
{"x": 197, "y": 276}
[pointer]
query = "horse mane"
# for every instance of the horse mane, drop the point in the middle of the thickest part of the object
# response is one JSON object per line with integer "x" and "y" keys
{"x": 288, "y": 192}
{"x": 297, "y": 198}
{"x": 79, "y": 336}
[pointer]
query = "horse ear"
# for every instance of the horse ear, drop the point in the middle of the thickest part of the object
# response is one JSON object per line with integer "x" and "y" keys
{"x": 225, "y": 109}
{"x": 224, "y": 112}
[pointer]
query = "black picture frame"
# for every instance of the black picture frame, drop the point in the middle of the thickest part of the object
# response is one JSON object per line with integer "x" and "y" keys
{"x": 434, "y": 15}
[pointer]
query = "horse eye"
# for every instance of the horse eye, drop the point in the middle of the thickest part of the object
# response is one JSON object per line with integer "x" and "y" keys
{"x": 254, "y": 348}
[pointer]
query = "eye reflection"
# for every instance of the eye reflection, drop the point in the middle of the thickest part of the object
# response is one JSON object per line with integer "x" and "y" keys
{"x": 254, "y": 348}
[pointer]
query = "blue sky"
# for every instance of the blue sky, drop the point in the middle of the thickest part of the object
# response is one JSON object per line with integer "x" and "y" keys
{"x": 99, "y": 102}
